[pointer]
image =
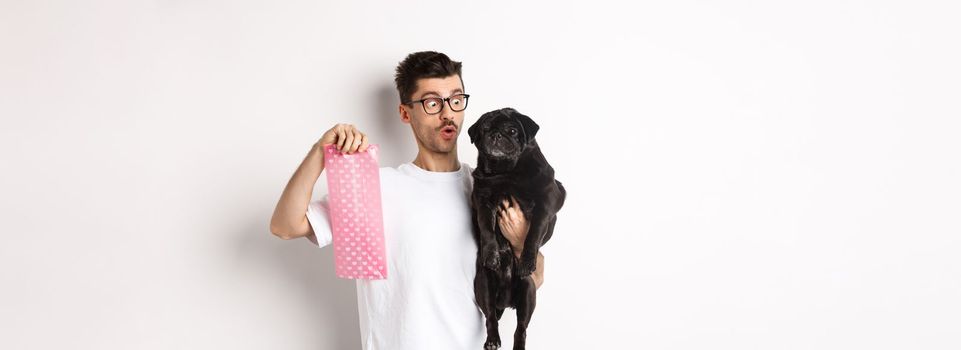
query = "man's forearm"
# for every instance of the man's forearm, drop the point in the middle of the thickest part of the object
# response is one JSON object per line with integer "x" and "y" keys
{"x": 538, "y": 274}
{"x": 288, "y": 218}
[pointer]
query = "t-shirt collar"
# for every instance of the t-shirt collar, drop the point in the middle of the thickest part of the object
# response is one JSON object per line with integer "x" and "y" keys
{"x": 412, "y": 169}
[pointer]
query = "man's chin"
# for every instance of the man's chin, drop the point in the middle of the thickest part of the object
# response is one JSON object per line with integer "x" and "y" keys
{"x": 444, "y": 147}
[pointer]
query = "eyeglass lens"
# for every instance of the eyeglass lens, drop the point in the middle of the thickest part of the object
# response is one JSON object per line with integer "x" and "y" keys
{"x": 435, "y": 104}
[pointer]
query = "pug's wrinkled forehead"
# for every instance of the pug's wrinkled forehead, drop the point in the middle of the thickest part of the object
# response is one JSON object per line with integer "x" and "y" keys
{"x": 503, "y": 119}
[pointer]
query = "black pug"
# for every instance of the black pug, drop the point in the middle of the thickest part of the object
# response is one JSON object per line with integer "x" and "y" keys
{"x": 510, "y": 163}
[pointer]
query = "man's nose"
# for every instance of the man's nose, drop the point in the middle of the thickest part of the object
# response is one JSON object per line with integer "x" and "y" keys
{"x": 446, "y": 113}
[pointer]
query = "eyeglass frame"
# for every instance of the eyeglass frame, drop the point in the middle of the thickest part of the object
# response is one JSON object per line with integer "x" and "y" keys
{"x": 442, "y": 100}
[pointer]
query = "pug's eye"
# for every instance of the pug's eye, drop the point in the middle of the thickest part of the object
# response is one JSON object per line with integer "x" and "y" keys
{"x": 512, "y": 131}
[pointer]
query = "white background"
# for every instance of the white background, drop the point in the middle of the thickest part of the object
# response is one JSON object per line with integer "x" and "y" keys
{"x": 741, "y": 175}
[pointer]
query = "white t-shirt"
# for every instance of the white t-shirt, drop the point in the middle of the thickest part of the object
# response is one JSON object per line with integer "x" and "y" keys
{"x": 427, "y": 300}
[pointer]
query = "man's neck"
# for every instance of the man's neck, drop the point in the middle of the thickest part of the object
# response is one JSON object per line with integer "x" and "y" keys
{"x": 437, "y": 162}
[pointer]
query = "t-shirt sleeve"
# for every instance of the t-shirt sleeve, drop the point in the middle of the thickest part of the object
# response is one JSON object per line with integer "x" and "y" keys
{"x": 318, "y": 214}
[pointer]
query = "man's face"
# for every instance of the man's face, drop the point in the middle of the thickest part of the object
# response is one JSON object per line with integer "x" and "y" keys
{"x": 436, "y": 133}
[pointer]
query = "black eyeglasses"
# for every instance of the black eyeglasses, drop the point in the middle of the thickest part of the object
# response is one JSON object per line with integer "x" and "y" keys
{"x": 433, "y": 105}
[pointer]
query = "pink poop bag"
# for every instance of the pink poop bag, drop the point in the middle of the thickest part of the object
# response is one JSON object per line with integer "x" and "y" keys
{"x": 357, "y": 222}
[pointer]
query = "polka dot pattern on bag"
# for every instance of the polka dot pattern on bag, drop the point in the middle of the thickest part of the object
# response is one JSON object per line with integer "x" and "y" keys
{"x": 353, "y": 185}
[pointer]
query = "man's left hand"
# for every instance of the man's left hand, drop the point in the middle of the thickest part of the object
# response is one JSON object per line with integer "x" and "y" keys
{"x": 513, "y": 224}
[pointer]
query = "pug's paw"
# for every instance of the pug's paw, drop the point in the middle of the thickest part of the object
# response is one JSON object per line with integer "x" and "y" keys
{"x": 491, "y": 260}
{"x": 492, "y": 343}
{"x": 526, "y": 266}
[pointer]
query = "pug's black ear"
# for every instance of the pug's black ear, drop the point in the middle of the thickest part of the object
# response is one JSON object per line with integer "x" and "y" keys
{"x": 530, "y": 127}
{"x": 474, "y": 130}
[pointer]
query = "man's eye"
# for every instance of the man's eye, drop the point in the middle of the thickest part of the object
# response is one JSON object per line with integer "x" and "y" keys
{"x": 431, "y": 103}
{"x": 455, "y": 102}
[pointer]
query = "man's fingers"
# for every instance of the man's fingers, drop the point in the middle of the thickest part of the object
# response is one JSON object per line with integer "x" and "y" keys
{"x": 507, "y": 215}
{"x": 358, "y": 139}
{"x": 341, "y": 138}
{"x": 349, "y": 141}
{"x": 363, "y": 143}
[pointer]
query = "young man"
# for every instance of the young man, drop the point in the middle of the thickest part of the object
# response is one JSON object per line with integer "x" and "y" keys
{"x": 427, "y": 300}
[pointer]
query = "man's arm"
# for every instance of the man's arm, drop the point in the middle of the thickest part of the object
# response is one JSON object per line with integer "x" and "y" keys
{"x": 290, "y": 216}
{"x": 289, "y": 220}
{"x": 538, "y": 274}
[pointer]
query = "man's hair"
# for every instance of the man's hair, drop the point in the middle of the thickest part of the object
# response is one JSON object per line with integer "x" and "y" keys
{"x": 420, "y": 65}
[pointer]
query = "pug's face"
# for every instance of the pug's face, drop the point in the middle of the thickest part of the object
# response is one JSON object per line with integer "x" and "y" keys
{"x": 502, "y": 134}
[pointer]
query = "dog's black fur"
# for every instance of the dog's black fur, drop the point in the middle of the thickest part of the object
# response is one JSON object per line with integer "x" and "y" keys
{"x": 510, "y": 163}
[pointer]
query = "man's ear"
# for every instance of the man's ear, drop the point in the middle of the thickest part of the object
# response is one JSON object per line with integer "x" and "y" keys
{"x": 528, "y": 124}
{"x": 404, "y": 116}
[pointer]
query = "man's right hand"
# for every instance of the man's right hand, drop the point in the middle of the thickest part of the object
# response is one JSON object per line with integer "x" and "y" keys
{"x": 347, "y": 138}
